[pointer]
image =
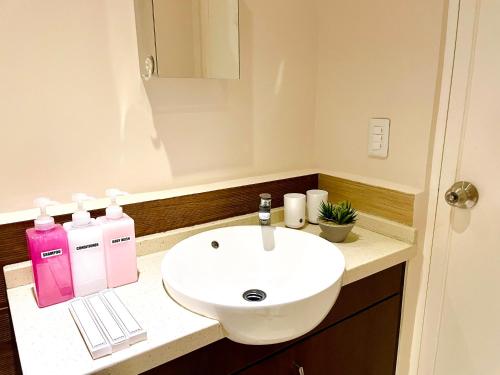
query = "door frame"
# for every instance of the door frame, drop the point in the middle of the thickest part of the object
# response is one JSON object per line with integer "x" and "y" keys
{"x": 453, "y": 104}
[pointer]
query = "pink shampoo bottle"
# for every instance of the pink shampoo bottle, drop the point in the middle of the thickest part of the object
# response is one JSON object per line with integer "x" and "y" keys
{"x": 48, "y": 250}
{"x": 119, "y": 243}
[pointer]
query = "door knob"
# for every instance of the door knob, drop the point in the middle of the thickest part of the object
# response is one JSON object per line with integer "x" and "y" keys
{"x": 462, "y": 194}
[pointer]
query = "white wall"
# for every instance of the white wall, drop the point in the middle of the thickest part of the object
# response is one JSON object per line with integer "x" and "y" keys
{"x": 75, "y": 116}
{"x": 377, "y": 58}
{"x": 381, "y": 58}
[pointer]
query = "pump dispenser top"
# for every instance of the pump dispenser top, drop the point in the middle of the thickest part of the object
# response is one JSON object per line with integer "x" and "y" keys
{"x": 44, "y": 221}
{"x": 114, "y": 211}
{"x": 80, "y": 217}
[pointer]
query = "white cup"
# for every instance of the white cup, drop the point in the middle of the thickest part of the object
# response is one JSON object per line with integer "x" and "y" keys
{"x": 295, "y": 210}
{"x": 314, "y": 199}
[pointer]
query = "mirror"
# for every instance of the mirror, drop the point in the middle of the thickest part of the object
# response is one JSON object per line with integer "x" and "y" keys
{"x": 188, "y": 38}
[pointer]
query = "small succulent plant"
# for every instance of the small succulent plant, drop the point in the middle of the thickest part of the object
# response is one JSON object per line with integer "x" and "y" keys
{"x": 341, "y": 213}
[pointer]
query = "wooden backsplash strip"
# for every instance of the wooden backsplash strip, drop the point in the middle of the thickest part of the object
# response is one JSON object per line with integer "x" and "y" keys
{"x": 161, "y": 215}
{"x": 3, "y": 289}
{"x": 167, "y": 214}
{"x": 390, "y": 204}
{"x": 5, "y": 333}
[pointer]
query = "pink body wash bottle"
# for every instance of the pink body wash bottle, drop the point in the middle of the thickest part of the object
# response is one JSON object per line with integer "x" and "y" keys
{"x": 48, "y": 250}
{"x": 119, "y": 243}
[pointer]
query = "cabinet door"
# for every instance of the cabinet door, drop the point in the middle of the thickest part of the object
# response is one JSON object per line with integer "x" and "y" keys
{"x": 365, "y": 344}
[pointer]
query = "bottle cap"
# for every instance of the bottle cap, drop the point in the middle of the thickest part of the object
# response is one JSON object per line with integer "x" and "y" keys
{"x": 114, "y": 211}
{"x": 80, "y": 217}
{"x": 44, "y": 221}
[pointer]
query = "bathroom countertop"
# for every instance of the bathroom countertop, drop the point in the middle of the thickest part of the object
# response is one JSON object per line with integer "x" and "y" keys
{"x": 49, "y": 342}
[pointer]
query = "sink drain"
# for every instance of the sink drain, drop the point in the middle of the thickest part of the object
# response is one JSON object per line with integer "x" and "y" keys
{"x": 254, "y": 295}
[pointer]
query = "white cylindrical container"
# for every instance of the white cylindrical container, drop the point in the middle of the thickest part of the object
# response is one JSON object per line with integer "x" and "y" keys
{"x": 314, "y": 199}
{"x": 295, "y": 210}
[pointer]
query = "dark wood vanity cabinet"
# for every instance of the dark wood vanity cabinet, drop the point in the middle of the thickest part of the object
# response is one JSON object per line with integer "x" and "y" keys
{"x": 364, "y": 344}
{"x": 358, "y": 337}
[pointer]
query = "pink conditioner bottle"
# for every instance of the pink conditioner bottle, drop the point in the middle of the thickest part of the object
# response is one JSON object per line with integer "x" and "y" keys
{"x": 48, "y": 250}
{"x": 119, "y": 243}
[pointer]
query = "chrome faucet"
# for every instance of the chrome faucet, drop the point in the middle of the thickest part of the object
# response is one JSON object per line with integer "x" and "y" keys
{"x": 265, "y": 209}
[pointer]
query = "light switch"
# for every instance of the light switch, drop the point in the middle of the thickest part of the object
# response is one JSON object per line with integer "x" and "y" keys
{"x": 378, "y": 137}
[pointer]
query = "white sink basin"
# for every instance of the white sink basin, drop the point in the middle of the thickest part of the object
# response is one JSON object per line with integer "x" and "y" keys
{"x": 299, "y": 273}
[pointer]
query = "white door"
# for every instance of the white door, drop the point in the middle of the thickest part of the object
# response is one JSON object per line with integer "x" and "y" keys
{"x": 461, "y": 332}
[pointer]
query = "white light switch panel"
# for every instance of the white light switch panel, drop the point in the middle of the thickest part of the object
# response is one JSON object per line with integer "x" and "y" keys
{"x": 378, "y": 137}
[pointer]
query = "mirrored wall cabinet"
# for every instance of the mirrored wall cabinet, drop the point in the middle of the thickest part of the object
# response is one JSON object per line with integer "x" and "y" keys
{"x": 188, "y": 38}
